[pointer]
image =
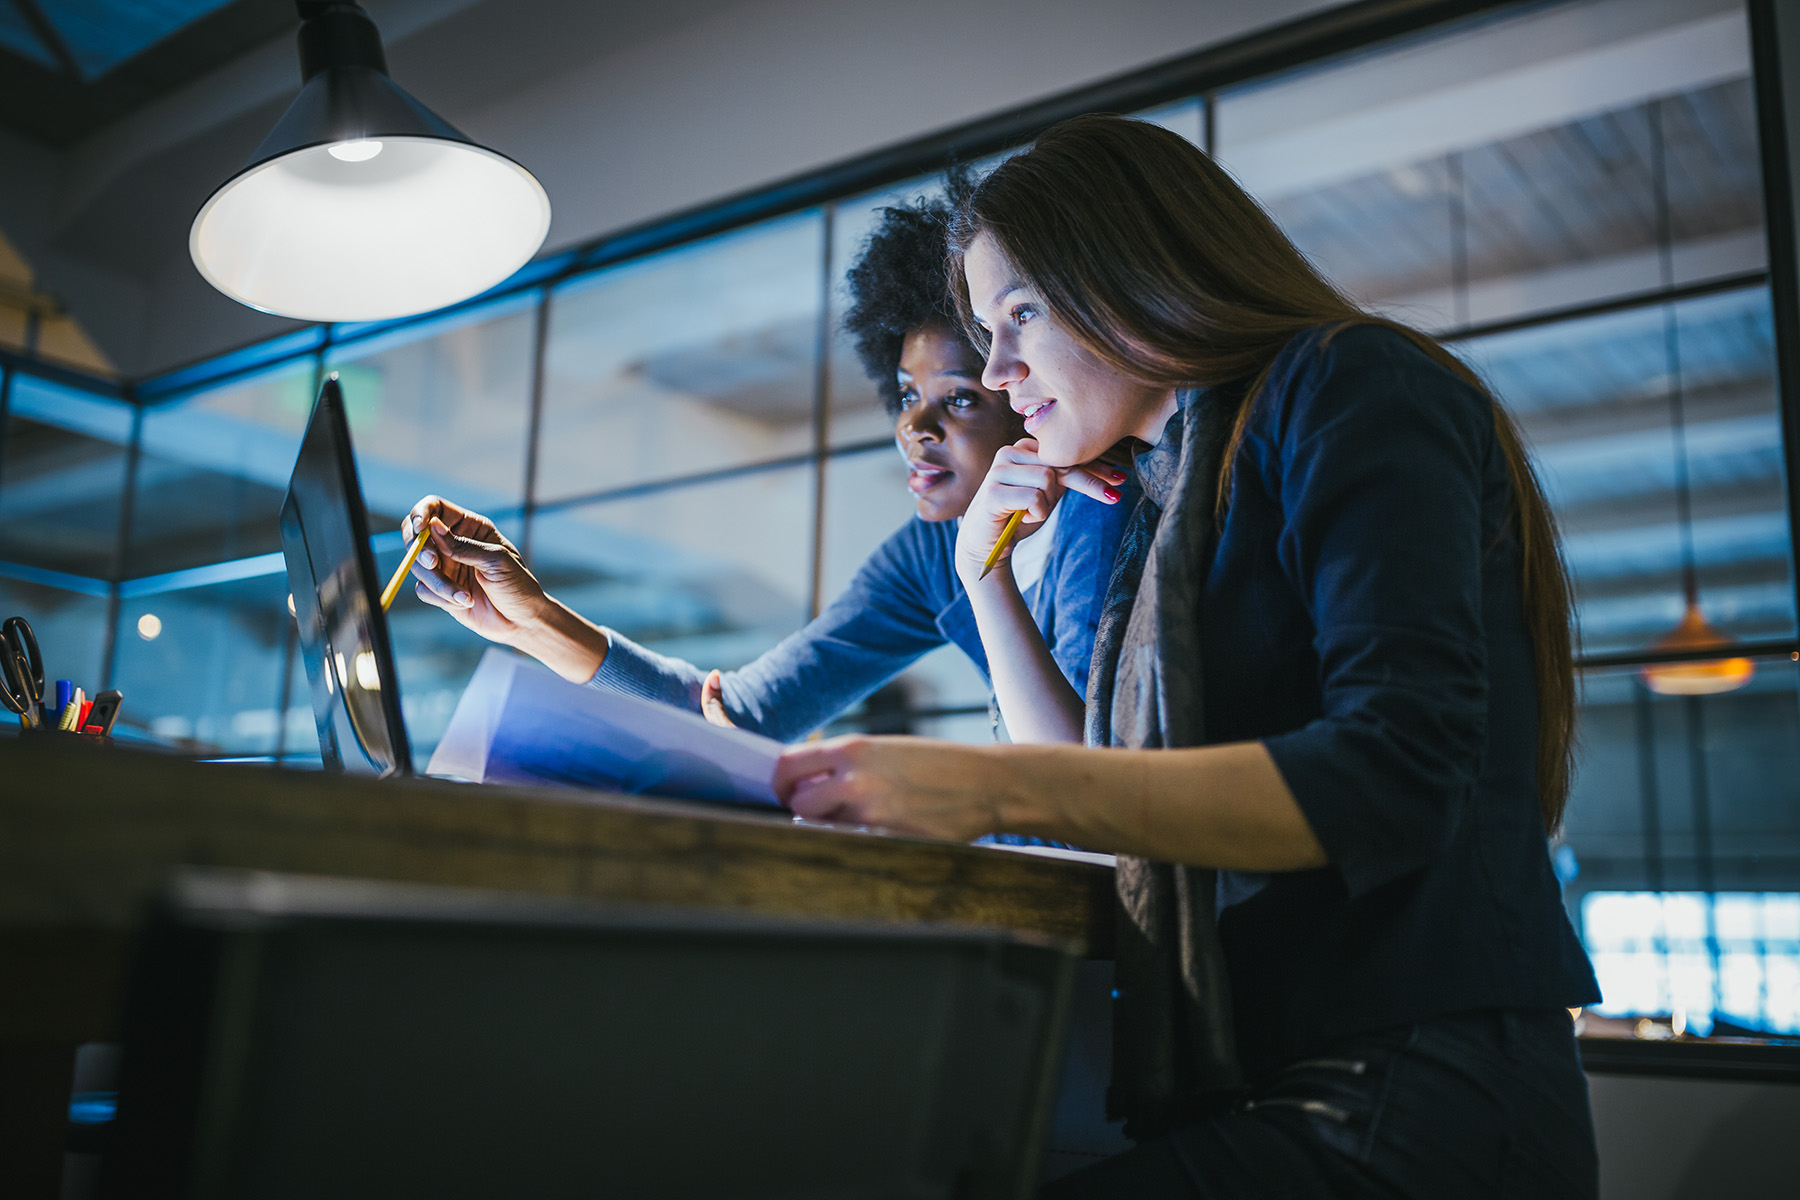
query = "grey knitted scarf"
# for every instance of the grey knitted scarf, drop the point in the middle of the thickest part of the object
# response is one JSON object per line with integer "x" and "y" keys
{"x": 1174, "y": 1054}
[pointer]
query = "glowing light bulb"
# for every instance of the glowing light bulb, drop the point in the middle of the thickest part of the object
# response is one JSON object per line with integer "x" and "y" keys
{"x": 149, "y": 626}
{"x": 1703, "y": 678}
{"x": 358, "y": 151}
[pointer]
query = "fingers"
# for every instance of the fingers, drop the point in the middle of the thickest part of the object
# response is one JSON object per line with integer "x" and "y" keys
{"x": 424, "y": 511}
{"x": 448, "y": 602}
{"x": 491, "y": 558}
{"x": 815, "y": 799}
{"x": 1010, "y": 498}
{"x": 459, "y": 520}
{"x": 1019, "y": 464}
{"x": 439, "y": 583}
{"x": 1097, "y": 480}
{"x": 810, "y": 762}
{"x": 712, "y": 701}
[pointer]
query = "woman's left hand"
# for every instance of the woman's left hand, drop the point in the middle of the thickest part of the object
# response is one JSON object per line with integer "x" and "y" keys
{"x": 907, "y": 784}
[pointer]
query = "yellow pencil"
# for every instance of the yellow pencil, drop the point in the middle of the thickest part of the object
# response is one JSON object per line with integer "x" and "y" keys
{"x": 393, "y": 588}
{"x": 1006, "y": 537}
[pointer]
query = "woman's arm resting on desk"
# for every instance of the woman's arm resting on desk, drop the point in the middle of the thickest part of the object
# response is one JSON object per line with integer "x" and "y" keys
{"x": 1210, "y": 806}
{"x": 470, "y": 570}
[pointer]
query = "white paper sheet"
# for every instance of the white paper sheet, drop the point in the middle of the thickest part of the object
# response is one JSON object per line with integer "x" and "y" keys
{"x": 519, "y": 722}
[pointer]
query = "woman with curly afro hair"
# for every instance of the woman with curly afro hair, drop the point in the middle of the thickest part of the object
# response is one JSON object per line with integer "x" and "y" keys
{"x": 906, "y": 598}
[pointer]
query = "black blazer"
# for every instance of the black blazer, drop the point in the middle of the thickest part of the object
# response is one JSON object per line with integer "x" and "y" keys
{"x": 1363, "y": 619}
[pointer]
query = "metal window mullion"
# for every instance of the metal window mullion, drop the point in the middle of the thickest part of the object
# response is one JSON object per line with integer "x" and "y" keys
{"x": 540, "y": 340}
{"x": 821, "y": 447}
{"x": 1772, "y": 65}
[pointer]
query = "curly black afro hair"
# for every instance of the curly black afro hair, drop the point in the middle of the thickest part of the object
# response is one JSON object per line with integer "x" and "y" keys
{"x": 900, "y": 281}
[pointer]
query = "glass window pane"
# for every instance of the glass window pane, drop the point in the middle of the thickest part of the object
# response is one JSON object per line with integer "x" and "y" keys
{"x": 1470, "y": 177}
{"x": 857, "y": 413}
{"x": 299, "y": 738}
{"x": 688, "y": 361}
{"x": 1186, "y": 117}
{"x": 70, "y": 628}
{"x": 213, "y": 470}
{"x": 1596, "y": 401}
{"x": 714, "y": 573}
{"x": 1678, "y": 799}
{"x": 865, "y": 502}
{"x": 62, "y": 477}
{"x": 201, "y": 667}
{"x": 443, "y": 408}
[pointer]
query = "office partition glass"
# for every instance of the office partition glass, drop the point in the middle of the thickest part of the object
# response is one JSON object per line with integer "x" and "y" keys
{"x": 1598, "y": 400}
{"x": 857, "y": 414}
{"x": 442, "y": 408}
{"x": 715, "y": 573}
{"x": 63, "y": 456}
{"x": 213, "y": 468}
{"x": 201, "y": 668}
{"x": 1514, "y": 167}
{"x": 692, "y": 360}
{"x": 866, "y": 501}
{"x": 1683, "y": 828}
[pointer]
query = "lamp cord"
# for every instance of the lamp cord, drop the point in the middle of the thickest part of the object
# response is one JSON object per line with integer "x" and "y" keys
{"x": 1665, "y": 252}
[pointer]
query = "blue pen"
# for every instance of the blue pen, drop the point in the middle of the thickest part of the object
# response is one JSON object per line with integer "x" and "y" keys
{"x": 65, "y": 692}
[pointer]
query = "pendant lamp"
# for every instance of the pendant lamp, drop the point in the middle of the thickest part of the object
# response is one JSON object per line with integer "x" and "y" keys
{"x": 362, "y": 204}
{"x": 1706, "y": 677}
{"x": 1693, "y": 634}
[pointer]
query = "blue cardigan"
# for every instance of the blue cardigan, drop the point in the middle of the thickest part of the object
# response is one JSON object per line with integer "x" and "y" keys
{"x": 1362, "y": 619}
{"x": 905, "y": 600}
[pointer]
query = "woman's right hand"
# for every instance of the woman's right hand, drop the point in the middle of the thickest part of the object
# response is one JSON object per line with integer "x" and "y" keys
{"x": 470, "y": 570}
{"x": 1020, "y": 481}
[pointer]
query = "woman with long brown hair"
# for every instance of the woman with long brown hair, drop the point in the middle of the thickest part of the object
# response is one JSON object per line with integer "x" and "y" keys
{"x": 1330, "y": 712}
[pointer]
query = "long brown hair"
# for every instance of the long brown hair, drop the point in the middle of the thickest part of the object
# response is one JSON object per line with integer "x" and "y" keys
{"x": 1159, "y": 264}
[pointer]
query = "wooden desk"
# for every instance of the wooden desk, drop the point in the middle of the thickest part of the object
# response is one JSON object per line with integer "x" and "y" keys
{"x": 87, "y": 833}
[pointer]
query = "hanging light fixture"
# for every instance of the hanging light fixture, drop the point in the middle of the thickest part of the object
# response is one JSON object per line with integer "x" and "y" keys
{"x": 1693, "y": 634}
{"x": 362, "y": 204}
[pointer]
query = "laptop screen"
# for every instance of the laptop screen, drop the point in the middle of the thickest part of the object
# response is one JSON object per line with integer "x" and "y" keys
{"x": 337, "y": 601}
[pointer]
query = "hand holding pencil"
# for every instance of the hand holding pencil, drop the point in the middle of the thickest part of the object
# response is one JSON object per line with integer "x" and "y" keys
{"x": 467, "y": 567}
{"x": 1015, "y": 500}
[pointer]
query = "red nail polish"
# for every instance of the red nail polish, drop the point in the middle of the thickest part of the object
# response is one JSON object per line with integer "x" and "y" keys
{"x": 1111, "y": 493}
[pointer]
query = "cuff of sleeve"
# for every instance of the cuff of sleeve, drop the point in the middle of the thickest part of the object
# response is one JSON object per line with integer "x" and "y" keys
{"x": 1353, "y": 838}
{"x": 630, "y": 668}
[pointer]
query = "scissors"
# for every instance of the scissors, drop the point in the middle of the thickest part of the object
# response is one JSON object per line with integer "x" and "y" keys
{"x": 21, "y": 672}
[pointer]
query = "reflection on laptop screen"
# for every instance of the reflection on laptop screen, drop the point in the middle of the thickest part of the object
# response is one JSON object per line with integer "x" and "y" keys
{"x": 336, "y": 600}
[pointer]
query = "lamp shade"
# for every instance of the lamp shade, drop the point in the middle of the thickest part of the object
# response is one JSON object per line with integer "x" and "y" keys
{"x": 362, "y": 204}
{"x": 1702, "y": 677}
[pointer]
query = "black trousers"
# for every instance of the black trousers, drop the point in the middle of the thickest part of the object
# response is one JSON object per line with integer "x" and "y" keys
{"x": 1483, "y": 1104}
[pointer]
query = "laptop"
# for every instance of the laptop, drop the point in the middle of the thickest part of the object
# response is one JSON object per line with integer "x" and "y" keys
{"x": 336, "y": 599}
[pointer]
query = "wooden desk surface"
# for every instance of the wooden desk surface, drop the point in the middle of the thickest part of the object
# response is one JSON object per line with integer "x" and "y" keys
{"x": 87, "y": 833}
